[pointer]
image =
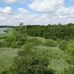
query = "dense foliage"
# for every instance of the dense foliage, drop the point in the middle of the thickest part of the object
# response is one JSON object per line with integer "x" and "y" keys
{"x": 52, "y": 31}
{"x": 61, "y": 31}
{"x": 37, "y": 50}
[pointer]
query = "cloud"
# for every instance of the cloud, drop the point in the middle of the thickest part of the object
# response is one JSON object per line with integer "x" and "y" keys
{"x": 22, "y": 11}
{"x": 6, "y": 10}
{"x": 46, "y": 5}
{"x": 55, "y": 10}
{"x": 10, "y": 1}
{"x": 41, "y": 12}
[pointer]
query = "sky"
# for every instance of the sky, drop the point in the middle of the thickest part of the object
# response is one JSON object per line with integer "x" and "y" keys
{"x": 36, "y": 12}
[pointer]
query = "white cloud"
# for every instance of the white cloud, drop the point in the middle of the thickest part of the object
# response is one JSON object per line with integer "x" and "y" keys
{"x": 43, "y": 12}
{"x": 55, "y": 10}
{"x": 10, "y": 1}
{"x": 6, "y": 10}
{"x": 46, "y": 5}
{"x": 22, "y": 11}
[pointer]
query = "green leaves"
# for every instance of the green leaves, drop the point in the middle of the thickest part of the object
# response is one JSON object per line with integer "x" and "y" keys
{"x": 36, "y": 55}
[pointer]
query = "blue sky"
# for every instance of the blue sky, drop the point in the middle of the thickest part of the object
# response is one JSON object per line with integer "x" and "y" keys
{"x": 24, "y": 4}
{"x": 36, "y": 11}
{"x": 69, "y": 3}
{"x": 15, "y": 5}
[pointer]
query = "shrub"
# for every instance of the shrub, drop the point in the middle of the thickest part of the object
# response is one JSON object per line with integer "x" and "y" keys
{"x": 35, "y": 41}
{"x": 70, "y": 47}
{"x": 41, "y": 60}
{"x": 2, "y": 43}
{"x": 62, "y": 44}
{"x": 31, "y": 62}
{"x": 50, "y": 42}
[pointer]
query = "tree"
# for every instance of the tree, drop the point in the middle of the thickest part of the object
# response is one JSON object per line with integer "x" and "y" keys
{"x": 17, "y": 36}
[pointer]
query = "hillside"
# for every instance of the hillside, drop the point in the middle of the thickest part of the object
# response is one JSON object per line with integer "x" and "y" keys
{"x": 21, "y": 53}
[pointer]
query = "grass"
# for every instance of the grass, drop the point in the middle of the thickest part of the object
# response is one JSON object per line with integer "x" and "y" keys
{"x": 6, "y": 57}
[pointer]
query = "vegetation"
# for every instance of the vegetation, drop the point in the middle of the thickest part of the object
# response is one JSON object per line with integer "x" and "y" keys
{"x": 59, "y": 31}
{"x": 37, "y": 50}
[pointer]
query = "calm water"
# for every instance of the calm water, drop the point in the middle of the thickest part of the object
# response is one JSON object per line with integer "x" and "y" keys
{"x": 2, "y": 30}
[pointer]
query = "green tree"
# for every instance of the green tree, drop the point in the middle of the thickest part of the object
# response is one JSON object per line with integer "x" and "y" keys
{"x": 17, "y": 36}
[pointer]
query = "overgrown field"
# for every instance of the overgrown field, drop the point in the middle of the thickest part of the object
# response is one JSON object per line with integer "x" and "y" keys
{"x": 24, "y": 54}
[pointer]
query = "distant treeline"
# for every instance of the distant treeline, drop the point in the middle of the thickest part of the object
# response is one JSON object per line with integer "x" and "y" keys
{"x": 50, "y": 31}
{"x": 5, "y": 26}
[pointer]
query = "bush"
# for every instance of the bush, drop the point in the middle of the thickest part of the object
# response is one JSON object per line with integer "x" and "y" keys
{"x": 31, "y": 63}
{"x": 62, "y": 44}
{"x": 41, "y": 60}
{"x": 35, "y": 41}
{"x": 51, "y": 43}
{"x": 6, "y": 58}
{"x": 70, "y": 47}
{"x": 2, "y": 43}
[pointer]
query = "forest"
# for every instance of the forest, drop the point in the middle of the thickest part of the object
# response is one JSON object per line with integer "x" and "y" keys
{"x": 37, "y": 49}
